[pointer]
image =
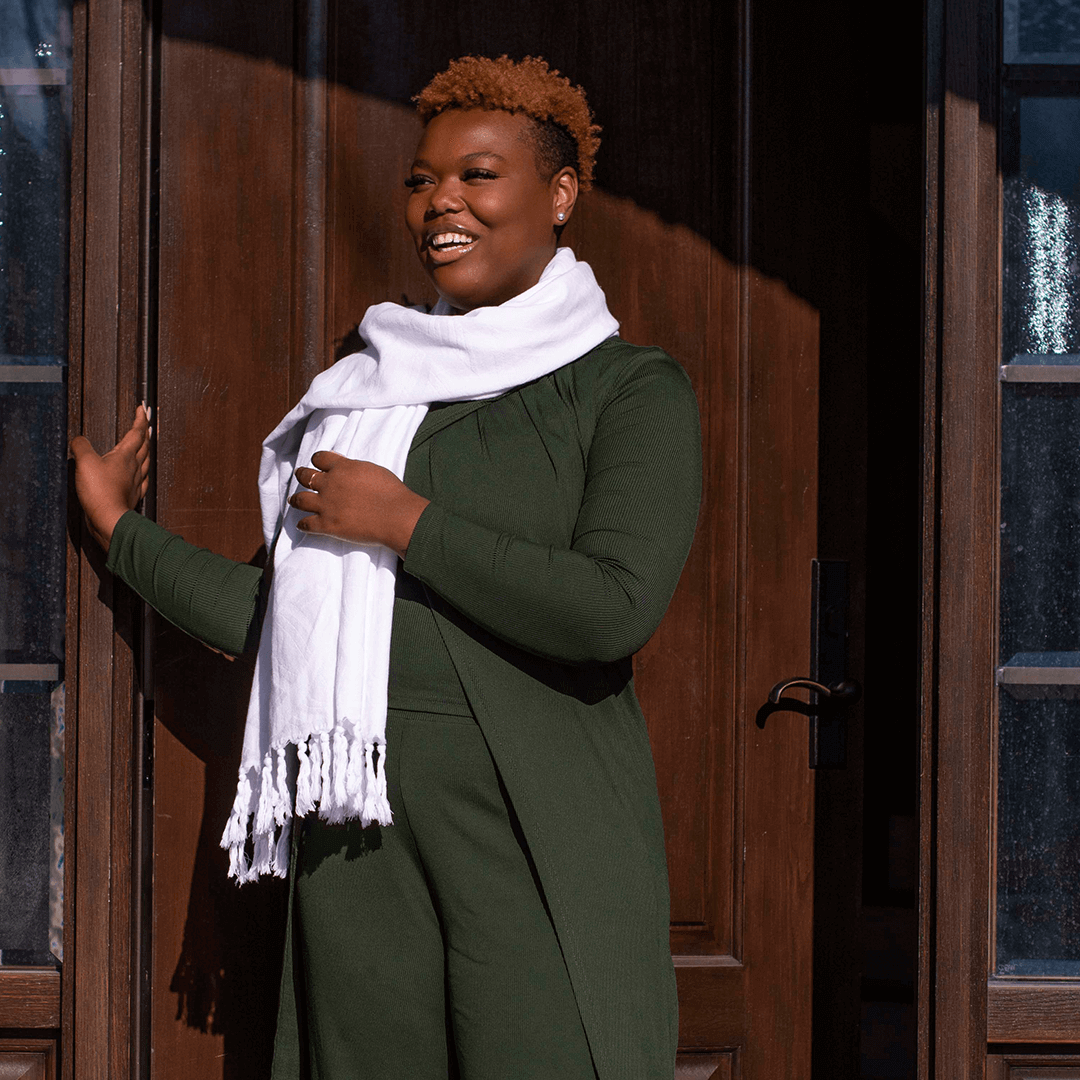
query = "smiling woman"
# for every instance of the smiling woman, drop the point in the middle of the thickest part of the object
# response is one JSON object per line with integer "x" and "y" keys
{"x": 474, "y": 523}
{"x": 481, "y": 212}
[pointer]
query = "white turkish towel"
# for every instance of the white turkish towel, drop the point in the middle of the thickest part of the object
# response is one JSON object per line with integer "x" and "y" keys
{"x": 323, "y": 662}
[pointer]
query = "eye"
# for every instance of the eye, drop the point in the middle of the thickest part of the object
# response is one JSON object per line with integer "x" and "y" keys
{"x": 416, "y": 180}
{"x": 478, "y": 174}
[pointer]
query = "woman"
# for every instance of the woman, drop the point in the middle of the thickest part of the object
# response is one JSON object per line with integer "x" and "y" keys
{"x": 512, "y": 921}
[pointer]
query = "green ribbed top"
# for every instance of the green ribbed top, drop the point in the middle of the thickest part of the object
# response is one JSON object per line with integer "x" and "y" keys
{"x": 561, "y": 515}
{"x": 209, "y": 596}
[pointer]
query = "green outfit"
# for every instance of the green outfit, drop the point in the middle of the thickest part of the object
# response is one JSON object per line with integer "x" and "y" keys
{"x": 561, "y": 515}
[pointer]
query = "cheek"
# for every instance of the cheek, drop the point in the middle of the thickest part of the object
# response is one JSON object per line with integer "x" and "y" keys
{"x": 414, "y": 216}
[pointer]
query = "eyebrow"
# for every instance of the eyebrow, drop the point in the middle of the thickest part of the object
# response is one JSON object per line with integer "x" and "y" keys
{"x": 423, "y": 163}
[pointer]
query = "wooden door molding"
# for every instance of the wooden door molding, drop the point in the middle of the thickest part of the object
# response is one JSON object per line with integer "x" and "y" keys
{"x": 706, "y": 1066}
{"x": 1024, "y": 1064}
{"x": 108, "y": 349}
{"x": 1032, "y": 1011}
{"x": 27, "y": 1059}
{"x": 960, "y": 546}
{"x": 29, "y": 998}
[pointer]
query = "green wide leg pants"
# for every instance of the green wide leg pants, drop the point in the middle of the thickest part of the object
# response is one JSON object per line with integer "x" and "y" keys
{"x": 424, "y": 951}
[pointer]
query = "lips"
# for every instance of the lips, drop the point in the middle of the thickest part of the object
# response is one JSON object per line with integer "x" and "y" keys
{"x": 444, "y": 241}
{"x": 446, "y": 244}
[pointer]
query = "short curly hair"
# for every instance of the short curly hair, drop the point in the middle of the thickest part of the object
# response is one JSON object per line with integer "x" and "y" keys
{"x": 565, "y": 132}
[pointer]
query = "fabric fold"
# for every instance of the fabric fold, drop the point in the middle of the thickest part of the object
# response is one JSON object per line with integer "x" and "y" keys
{"x": 321, "y": 673}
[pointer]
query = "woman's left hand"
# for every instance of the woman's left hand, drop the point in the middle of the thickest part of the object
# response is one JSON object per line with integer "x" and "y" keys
{"x": 357, "y": 501}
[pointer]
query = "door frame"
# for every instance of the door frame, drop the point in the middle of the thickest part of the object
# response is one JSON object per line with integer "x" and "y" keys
{"x": 105, "y": 939}
{"x": 971, "y": 1024}
{"x": 959, "y": 549}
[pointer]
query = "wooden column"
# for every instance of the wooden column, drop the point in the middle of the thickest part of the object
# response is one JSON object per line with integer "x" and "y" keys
{"x": 960, "y": 543}
{"x": 108, "y": 349}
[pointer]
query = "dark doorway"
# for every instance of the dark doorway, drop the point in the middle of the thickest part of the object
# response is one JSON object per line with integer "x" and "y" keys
{"x": 866, "y": 847}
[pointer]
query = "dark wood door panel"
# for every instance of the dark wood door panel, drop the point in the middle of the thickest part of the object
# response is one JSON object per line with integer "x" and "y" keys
{"x": 29, "y": 998}
{"x": 226, "y": 373}
{"x": 712, "y": 1000}
{"x": 705, "y": 1066}
{"x": 1032, "y": 1011}
{"x": 27, "y": 1059}
{"x": 1027, "y": 1066}
{"x": 223, "y": 371}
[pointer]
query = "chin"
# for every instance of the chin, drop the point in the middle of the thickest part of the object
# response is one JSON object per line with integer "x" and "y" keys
{"x": 463, "y": 295}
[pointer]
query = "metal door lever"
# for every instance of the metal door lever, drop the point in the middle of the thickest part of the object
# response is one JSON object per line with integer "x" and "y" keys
{"x": 830, "y": 688}
{"x": 823, "y": 711}
{"x": 845, "y": 690}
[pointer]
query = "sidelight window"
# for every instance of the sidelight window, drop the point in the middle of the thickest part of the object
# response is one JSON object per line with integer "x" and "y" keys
{"x": 1037, "y": 931}
{"x": 35, "y": 138}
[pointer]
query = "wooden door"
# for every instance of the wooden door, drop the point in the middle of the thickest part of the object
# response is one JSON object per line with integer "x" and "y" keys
{"x": 277, "y": 142}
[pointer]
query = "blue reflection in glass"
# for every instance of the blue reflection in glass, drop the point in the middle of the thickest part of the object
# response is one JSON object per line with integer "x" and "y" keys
{"x": 1042, "y": 31}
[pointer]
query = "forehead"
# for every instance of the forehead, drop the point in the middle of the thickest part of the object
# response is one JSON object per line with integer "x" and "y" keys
{"x": 461, "y": 133}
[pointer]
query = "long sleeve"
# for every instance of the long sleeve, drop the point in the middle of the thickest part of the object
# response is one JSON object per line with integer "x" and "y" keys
{"x": 601, "y": 598}
{"x": 208, "y": 596}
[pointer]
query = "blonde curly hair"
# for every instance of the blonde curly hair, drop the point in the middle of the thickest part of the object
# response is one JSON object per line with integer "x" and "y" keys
{"x": 565, "y": 132}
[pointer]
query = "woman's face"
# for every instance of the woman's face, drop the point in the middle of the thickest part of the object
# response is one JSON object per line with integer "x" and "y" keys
{"x": 480, "y": 214}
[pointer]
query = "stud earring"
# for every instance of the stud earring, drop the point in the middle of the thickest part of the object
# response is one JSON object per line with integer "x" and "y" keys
{"x": 561, "y": 216}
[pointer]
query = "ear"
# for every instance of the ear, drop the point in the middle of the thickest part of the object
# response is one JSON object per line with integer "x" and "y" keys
{"x": 564, "y": 192}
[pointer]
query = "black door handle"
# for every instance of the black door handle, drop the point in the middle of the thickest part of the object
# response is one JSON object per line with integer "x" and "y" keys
{"x": 845, "y": 690}
{"x": 830, "y": 688}
{"x": 830, "y": 699}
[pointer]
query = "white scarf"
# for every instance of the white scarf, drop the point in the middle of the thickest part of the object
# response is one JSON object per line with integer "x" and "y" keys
{"x": 323, "y": 662}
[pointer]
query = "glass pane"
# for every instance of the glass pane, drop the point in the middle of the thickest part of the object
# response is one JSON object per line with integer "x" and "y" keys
{"x": 31, "y": 824}
{"x": 1042, "y": 32}
{"x": 33, "y": 474}
{"x": 1040, "y": 519}
{"x": 1041, "y": 153}
{"x": 35, "y": 139}
{"x": 1038, "y": 873}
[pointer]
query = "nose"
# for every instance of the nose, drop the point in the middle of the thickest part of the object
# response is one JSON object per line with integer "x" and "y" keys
{"x": 445, "y": 199}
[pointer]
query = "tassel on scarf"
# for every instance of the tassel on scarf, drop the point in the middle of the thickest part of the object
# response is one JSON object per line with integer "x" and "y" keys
{"x": 376, "y": 804}
{"x": 304, "y": 799}
{"x": 341, "y": 777}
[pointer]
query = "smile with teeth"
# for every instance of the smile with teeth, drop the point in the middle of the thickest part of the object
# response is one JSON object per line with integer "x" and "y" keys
{"x": 451, "y": 241}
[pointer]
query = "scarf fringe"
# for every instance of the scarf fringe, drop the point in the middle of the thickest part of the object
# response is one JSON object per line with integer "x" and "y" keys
{"x": 341, "y": 776}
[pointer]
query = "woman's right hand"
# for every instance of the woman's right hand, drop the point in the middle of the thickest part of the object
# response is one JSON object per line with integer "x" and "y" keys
{"x": 110, "y": 484}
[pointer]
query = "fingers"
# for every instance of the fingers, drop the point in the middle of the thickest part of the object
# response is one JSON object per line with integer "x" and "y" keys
{"x": 80, "y": 446}
{"x": 307, "y": 476}
{"x": 307, "y": 501}
{"x": 138, "y": 434}
{"x": 325, "y": 459}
